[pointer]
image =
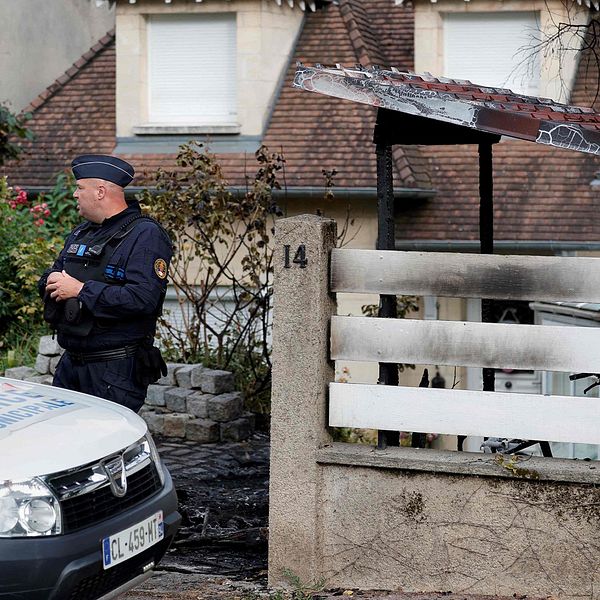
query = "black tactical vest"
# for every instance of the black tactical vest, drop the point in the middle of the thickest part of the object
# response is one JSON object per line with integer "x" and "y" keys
{"x": 87, "y": 259}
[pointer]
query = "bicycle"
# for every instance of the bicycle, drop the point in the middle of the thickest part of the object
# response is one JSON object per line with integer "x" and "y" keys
{"x": 514, "y": 446}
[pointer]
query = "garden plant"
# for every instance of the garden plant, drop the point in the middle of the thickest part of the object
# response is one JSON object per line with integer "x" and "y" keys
{"x": 222, "y": 267}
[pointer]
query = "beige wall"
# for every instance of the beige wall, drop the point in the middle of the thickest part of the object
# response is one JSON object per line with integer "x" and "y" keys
{"x": 41, "y": 39}
{"x": 556, "y": 78}
{"x": 265, "y": 35}
{"x": 476, "y": 531}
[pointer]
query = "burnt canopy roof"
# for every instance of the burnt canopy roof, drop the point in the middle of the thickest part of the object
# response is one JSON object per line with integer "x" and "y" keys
{"x": 456, "y": 102}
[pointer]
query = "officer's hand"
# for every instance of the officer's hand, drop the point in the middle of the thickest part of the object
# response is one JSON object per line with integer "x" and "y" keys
{"x": 62, "y": 286}
{"x": 54, "y": 277}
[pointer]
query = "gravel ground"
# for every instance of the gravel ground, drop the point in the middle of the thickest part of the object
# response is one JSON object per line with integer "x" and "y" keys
{"x": 177, "y": 586}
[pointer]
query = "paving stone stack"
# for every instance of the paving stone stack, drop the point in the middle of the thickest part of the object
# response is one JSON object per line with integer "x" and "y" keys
{"x": 197, "y": 404}
{"x": 49, "y": 353}
{"x": 191, "y": 402}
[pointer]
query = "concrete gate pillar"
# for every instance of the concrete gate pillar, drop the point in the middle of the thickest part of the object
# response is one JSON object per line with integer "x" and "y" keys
{"x": 302, "y": 371}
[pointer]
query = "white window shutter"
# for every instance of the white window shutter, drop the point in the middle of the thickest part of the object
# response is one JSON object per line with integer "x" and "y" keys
{"x": 192, "y": 69}
{"x": 491, "y": 49}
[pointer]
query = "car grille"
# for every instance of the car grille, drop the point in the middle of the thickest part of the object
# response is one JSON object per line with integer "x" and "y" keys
{"x": 85, "y": 510}
{"x": 86, "y": 495}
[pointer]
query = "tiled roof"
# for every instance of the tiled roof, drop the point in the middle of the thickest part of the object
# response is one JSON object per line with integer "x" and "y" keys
{"x": 541, "y": 193}
{"x": 64, "y": 121}
{"x": 323, "y": 133}
{"x": 75, "y": 115}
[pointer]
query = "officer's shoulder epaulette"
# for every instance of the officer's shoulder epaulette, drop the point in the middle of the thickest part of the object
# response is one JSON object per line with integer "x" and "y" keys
{"x": 131, "y": 223}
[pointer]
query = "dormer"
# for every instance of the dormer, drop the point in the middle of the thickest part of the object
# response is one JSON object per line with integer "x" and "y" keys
{"x": 209, "y": 67}
{"x": 493, "y": 43}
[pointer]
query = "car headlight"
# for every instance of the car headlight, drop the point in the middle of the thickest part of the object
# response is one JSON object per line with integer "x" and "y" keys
{"x": 155, "y": 457}
{"x": 28, "y": 508}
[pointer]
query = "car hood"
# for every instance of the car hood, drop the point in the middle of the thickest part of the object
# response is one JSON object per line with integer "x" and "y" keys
{"x": 45, "y": 429}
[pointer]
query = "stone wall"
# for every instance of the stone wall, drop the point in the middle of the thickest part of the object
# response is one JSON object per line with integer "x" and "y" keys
{"x": 429, "y": 520}
{"x": 190, "y": 402}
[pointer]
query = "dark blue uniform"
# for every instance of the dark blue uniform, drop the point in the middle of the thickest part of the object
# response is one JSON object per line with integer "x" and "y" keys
{"x": 124, "y": 263}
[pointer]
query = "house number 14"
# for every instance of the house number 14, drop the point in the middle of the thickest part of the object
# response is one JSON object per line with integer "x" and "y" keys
{"x": 299, "y": 257}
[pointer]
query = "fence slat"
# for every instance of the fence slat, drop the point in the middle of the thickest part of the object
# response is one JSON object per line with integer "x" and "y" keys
{"x": 567, "y": 279}
{"x": 460, "y": 412}
{"x": 457, "y": 343}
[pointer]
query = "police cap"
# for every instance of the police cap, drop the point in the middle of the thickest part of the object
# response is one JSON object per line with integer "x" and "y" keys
{"x": 101, "y": 166}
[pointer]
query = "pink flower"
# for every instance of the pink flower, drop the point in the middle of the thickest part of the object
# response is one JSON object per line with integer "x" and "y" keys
{"x": 38, "y": 209}
{"x": 46, "y": 213}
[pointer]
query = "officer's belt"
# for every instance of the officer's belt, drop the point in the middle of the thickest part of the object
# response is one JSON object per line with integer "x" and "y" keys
{"x": 103, "y": 355}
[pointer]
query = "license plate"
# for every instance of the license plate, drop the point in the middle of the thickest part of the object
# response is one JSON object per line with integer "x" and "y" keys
{"x": 127, "y": 543}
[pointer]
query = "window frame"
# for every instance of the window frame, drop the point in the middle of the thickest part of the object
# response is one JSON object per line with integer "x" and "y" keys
{"x": 228, "y": 124}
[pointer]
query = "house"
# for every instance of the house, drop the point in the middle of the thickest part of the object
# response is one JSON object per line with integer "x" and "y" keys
{"x": 222, "y": 71}
{"x": 30, "y": 57}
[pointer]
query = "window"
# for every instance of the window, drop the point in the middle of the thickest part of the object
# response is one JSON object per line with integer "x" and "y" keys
{"x": 192, "y": 69}
{"x": 491, "y": 49}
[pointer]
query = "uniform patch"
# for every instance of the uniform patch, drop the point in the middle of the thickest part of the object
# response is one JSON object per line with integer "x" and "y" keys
{"x": 77, "y": 249}
{"x": 160, "y": 268}
{"x": 114, "y": 272}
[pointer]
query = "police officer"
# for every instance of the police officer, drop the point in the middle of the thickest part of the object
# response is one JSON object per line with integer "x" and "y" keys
{"x": 104, "y": 292}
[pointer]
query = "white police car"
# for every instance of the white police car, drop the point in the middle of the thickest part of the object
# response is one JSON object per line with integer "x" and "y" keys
{"x": 86, "y": 507}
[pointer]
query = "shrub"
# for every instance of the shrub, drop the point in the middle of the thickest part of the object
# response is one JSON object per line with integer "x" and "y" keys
{"x": 31, "y": 235}
{"x": 222, "y": 266}
{"x": 63, "y": 215}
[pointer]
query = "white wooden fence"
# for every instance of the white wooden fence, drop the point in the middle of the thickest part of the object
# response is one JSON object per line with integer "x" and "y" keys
{"x": 424, "y": 519}
{"x": 530, "y": 417}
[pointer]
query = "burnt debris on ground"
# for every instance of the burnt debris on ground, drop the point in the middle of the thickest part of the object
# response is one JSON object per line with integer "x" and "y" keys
{"x": 223, "y": 499}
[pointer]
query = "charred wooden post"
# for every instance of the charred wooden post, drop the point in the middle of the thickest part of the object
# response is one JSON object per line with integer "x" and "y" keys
{"x": 388, "y": 372}
{"x": 418, "y": 439}
{"x": 486, "y": 236}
